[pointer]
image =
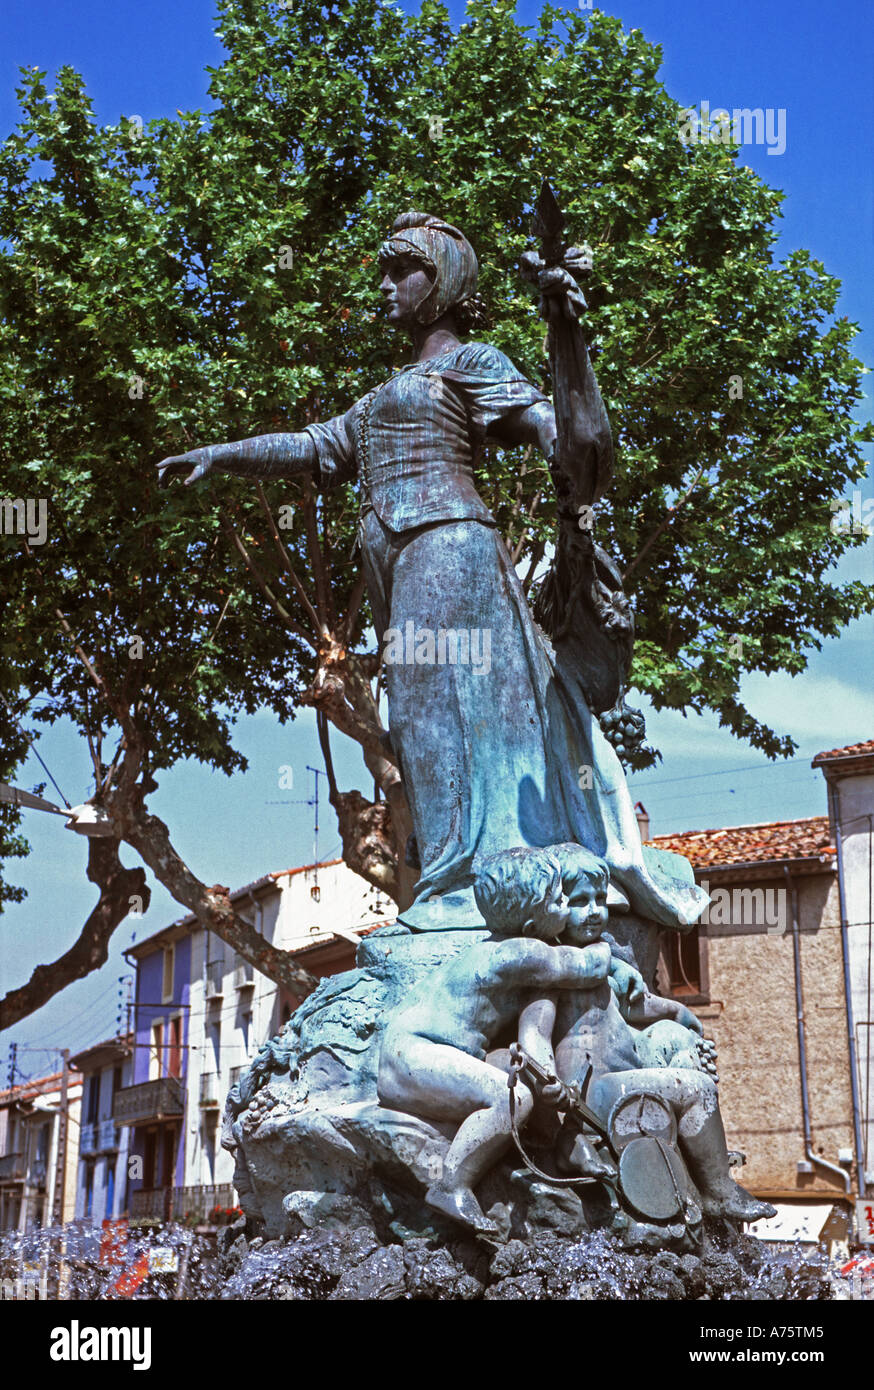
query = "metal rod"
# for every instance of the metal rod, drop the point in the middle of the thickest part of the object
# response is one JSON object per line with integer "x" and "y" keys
{"x": 809, "y": 1153}
{"x": 848, "y": 996}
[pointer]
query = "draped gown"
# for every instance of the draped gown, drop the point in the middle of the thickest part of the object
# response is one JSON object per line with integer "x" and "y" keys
{"x": 501, "y": 749}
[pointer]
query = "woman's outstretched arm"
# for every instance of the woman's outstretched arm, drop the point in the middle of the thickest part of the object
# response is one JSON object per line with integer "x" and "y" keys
{"x": 263, "y": 456}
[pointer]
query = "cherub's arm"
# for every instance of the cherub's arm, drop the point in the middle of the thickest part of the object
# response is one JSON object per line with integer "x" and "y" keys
{"x": 649, "y": 1008}
{"x": 534, "y": 965}
{"x": 580, "y": 967}
{"x": 627, "y": 984}
{"x": 536, "y": 1023}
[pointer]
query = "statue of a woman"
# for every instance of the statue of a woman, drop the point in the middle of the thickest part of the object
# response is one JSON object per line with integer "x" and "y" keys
{"x": 497, "y": 748}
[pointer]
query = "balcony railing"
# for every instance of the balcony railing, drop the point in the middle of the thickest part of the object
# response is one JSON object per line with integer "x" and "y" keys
{"x": 200, "y": 1201}
{"x": 107, "y": 1135}
{"x": 156, "y": 1202}
{"x": 151, "y": 1100}
{"x": 209, "y": 1089}
{"x": 11, "y": 1167}
{"x": 177, "y": 1203}
{"x": 97, "y": 1138}
{"x": 215, "y": 979}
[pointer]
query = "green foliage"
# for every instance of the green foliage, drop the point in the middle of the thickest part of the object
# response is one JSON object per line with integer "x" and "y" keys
{"x": 155, "y": 263}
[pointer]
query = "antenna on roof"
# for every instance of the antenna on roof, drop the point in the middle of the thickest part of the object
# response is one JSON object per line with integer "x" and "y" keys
{"x": 313, "y": 801}
{"x": 315, "y": 891}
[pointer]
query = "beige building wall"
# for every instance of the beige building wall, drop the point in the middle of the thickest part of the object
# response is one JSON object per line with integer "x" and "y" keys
{"x": 752, "y": 1018}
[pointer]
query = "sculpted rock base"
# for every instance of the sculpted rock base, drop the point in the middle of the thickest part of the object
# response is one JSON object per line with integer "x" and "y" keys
{"x": 352, "y": 1262}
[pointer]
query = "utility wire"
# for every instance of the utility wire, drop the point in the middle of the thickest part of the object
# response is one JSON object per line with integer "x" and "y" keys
{"x": 727, "y": 772}
{"x": 33, "y": 748}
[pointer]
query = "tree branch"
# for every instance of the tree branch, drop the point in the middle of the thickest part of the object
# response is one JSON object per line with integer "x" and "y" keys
{"x": 117, "y": 886}
{"x": 286, "y": 560}
{"x": 212, "y": 907}
{"x": 666, "y": 522}
{"x": 317, "y": 559}
{"x": 230, "y": 531}
{"x": 356, "y": 598}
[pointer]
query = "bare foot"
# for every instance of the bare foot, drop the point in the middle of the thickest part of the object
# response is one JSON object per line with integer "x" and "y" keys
{"x": 461, "y": 1205}
{"x": 738, "y": 1205}
{"x": 579, "y": 1156}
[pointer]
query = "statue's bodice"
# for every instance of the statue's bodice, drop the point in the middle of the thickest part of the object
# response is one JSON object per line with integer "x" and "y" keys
{"x": 414, "y": 440}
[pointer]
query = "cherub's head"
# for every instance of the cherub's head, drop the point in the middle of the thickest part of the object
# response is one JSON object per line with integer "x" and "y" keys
{"x": 519, "y": 893}
{"x": 584, "y": 879}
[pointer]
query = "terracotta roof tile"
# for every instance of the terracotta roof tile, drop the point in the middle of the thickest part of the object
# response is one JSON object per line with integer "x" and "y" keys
{"x": 852, "y": 750}
{"x": 39, "y": 1086}
{"x": 747, "y": 844}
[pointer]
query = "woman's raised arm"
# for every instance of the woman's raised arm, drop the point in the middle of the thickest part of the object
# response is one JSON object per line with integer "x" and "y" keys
{"x": 263, "y": 456}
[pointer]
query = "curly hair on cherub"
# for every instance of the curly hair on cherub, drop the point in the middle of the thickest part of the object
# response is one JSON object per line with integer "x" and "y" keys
{"x": 519, "y": 891}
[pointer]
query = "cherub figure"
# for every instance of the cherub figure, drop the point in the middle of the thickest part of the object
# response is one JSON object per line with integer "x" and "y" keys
{"x": 572, "y": 1030}
{"x": 433, "y": 1060}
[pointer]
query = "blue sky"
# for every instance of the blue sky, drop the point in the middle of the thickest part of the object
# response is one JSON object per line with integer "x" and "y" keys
{"x": 814, "y": 61}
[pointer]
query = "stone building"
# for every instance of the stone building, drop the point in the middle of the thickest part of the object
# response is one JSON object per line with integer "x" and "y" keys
{"x": 780, "y": 976}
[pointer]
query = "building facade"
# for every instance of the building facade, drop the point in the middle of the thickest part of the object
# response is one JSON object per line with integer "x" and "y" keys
{"x": 151, "y": 1108}
{"x": 765, "y": 972}
{"x": 101, "y": 1185}
{"x": 849, "y": 775}
{"x": 39, "y": 1144}
{"x": 202, "y": 1012}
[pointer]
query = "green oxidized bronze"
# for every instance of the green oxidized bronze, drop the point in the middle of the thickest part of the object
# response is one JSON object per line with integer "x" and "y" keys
{"x": 400, "y": 1067}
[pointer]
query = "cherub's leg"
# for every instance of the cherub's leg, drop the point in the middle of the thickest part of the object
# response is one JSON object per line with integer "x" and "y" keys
{"x": 480, "y": 1141}
{"x": 693, "y": 1097}
{"x": 444, "y": 1083}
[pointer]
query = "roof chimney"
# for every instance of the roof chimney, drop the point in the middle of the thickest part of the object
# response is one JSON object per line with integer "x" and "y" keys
{"x": 642, "y": 819}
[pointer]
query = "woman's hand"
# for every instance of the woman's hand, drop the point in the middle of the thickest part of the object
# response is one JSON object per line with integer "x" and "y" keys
{"x": 178, "y": 464}
{"x": 560, "y": 294}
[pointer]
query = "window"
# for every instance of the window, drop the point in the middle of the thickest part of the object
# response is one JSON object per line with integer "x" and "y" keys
{"x": 156, "y": 1058}
{"x": 42, "y": 1143}
{"x": 110, "y": 1187}
{"x": 174, "y": 1048}
{"x": 684, "y": 966}
{"x": 246, "y": 1022}
{"x": 215, "y": 1037}
{"x": 89, "y": 1189}
{"x": 169, "y": 966}
{"x": 116, "y": 1083}
{"x": 93, "y": 1098}
{"x": 209, "y": 1138}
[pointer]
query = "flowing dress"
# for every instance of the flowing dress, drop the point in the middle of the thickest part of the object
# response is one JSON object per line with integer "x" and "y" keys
{"x": 496, "y": 744}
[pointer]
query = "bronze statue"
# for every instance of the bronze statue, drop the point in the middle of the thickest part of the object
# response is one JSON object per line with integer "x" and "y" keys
{"x": 526, "y": 834}
{"x": 492, "y": 723}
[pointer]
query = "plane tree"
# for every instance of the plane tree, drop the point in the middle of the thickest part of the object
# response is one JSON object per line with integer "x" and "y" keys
{"x": 213, "y": 275}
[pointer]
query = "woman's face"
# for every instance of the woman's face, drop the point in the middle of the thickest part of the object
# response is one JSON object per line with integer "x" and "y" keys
{"x": 404, "y": 285}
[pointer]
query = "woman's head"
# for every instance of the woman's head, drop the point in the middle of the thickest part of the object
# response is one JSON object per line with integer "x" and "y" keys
{"x": 429, "y": 269}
